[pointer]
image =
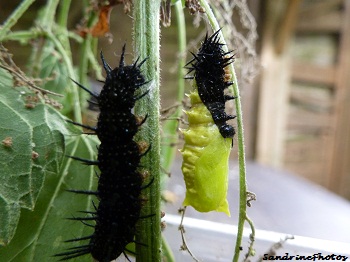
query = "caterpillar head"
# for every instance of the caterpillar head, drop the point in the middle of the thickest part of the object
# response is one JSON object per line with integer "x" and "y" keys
{"x": 227, "y": 131}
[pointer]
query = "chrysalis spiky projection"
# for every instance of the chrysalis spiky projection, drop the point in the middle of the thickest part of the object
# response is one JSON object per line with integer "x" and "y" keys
{"x": 208, "y": 138}
{"x": 120, "y": 183}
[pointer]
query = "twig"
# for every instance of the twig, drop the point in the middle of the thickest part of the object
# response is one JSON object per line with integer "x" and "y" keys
{"x": 8, "y": 64}
{"x": 182, "y": 230}
{"x": 276, "y": 246}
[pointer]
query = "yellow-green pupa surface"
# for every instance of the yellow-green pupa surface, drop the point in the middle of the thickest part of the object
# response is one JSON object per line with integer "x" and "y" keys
{"x": 205, "y": 160}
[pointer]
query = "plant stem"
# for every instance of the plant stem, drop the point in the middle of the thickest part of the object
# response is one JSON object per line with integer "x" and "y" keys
{"x": 63, "y": 14}
{"x": 12, "y": 20}
{"x": 181, "y": 32}
{"x": 240, "y": 139}
{"x": 68, "y": 62}
{"x": 168, "y": 255}
{"x": 48, "y": 17}
{"x": 85, "y": 50}
{"x": 146, "y": 45}
{"x": 23, "y": 36}
{"x": 170, "y": 126}
{"x": 83, "y": 59}
{"x": 62, "y": 25}
{"x": 251, "y": 250}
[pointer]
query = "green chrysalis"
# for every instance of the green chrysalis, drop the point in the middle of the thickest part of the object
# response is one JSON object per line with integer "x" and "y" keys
{"x": 205, "y": 161}
{"x": 208, "y": 138}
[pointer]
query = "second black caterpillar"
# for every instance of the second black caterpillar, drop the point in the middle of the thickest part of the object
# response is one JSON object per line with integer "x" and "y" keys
{"x": 120, "y": 183}
{"x": 209, "y": 72}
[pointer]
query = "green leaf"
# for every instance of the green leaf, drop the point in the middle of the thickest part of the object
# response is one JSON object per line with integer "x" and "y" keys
{"x": 41, "y": 232}
{"x": 32, "y": 147}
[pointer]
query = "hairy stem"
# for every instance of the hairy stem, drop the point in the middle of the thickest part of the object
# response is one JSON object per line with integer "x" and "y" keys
{"x": 146, "y": 45}
{"x": 240, "y": 138}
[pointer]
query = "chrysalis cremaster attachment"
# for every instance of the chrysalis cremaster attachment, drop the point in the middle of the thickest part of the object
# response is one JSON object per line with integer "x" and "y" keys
{"x": 208, "y": 138}
{"x": 120, "y": 184}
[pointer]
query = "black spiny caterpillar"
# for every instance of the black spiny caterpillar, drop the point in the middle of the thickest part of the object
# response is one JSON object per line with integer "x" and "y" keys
{"x": 120, "y": 184}
{"x": 211, "y": 80}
